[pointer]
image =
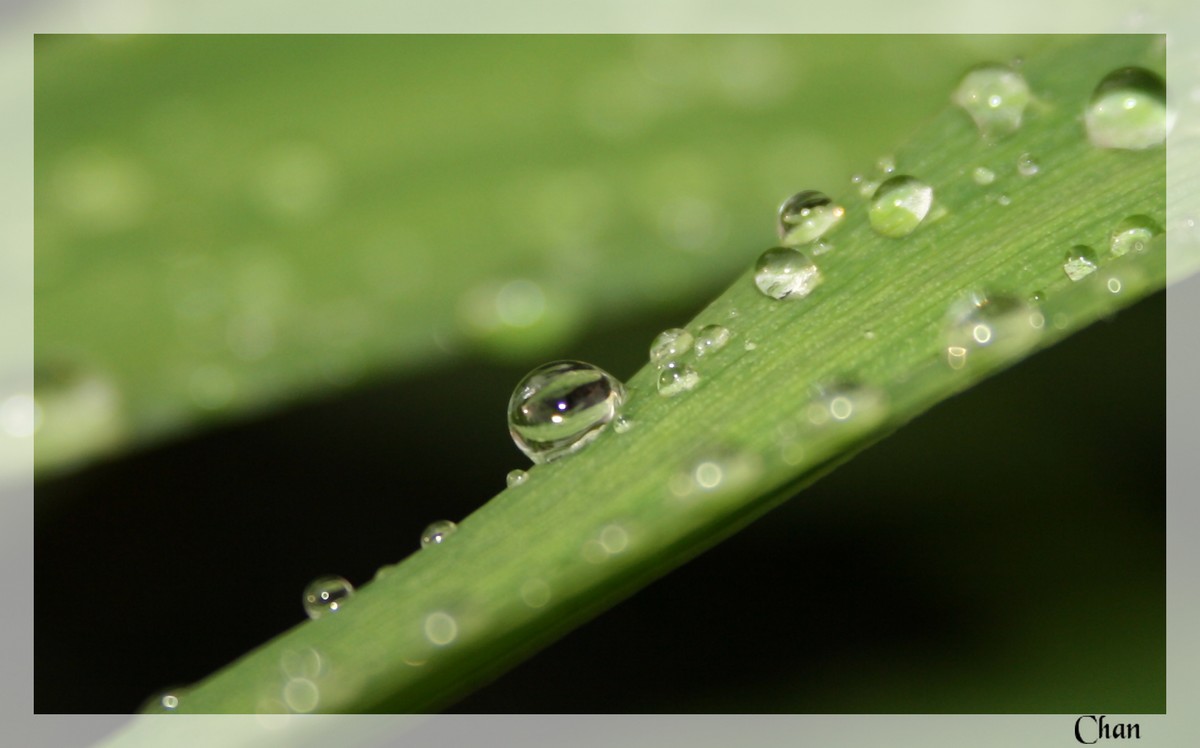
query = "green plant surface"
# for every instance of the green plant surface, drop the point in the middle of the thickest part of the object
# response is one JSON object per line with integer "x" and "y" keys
{"x": 226, "y": 224}
{"x": 586, "y": 531}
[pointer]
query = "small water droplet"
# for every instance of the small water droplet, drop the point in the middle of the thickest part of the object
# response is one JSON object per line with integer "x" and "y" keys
{"x": 784, "y": 273}
{"x": 622, "y": 424}
{"x": 1128, "y": 111}
{"x": 560, "y": 407}
{"x": 301, "y": 695}
{"x": 807, "y": 216}
{"x": 326, "y": 594}
{"x": 716, "y": 471}
{"x": 1003, "y": 200}
{"x": 1027, "y": 166}
{"x": 995, "y": 96}
{"x": 1133, "y": 234}
{"x": 1080, "y": 262}
{"x": 164, "y": 702}
{"x": 983, "y": 175}
{"x": 535, "y": 593}
{"x": 441, "y": 628}
{"x": 988, "y": 322}
{"x": 750, "y": 345}
{"x": 886, "y": 164}
{"x": 820, "y": 247}
{"x": 869, "y": 334}
{"x": 900, "y": 205}
{"x": 302, "y": 663}
{"x": 675, "y": 380}
{"x": 437, "y": 532}
{"x": 843, "y": 402}
{"x": 711, "y": 338}
{"x": 614, "y": 539}
{"x": 516, "y": 477}
{"x": 866, "y": 187}
{"x": 669, "y": 345}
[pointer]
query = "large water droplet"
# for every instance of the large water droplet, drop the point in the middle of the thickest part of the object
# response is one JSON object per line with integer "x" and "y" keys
{"x": 326, "y": 594}
{"x": 437, "y": 532}
{"x": 669, "y": 345}
{"x": 675, "y": 380}
{"x": 784, "y": 273}
{"x": 1080, "y": 262}
{"x": 806, "y": 217}
{"x": 1128, "y": 111}
{"x": 1133, "y": 234}
{"x": 995, "y": 96}
{"x": 711, "y": 338}
{"x": 997, "y": 324}
{"x": 899, "y": 206}
{"x": 560, "y": 407}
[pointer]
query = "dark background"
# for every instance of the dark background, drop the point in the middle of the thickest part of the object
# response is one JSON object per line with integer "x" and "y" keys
{"x": 1005, "y": 552}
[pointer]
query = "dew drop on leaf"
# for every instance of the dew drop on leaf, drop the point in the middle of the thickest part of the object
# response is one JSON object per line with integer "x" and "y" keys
{"x": 1133, "y": 234}
{"x": 1080, "y": 262}
{"x": 675, "y": 380}
{"x": 326, "y": 594}
{"x": 900, "y": 205}
{"x": 807, "y": 216}
{"x": 785, "y": 273}
{"x": 560, "y": 407}
{"x": 437, "y": 532}
{"x": 1128, "y": 111}
{"x": 669, "y": 345}
{"x": 995, "y": 96}
{"x": 711, "y": 338}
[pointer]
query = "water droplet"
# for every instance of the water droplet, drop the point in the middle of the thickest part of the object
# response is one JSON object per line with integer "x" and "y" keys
{"x": 844, "y": 402}
{"x": 995, "y": 96}
{"x": 1080, "y": 262}
{"x": 440, "y": 628}
{"x": 326, "y": 594}
{"x": 899, "y": 206}
{"x": 614, "y": 539}
{"x": 711, "y": 338}
{"x": 674, "y": 380}
{"x": 1004, "y": 200}
{"x": 301, "y": 695}
{"x": 784, "y": 273}
{"x": 1037, "y": 297}
{"x": 303, "y": 663}
{"x": 1026, "y": 166}
{"x": 535, "y": 593}
{"x": 866, "y": 187}
{"x": 716, "y": 471}
{"x": 750, "y": 345}
{"x": 807, "y": 216}
{"x": 622, "y": 424}
{"x": 437, "y": 532}
{"x": 1128, "y": 111}
{"x": 994, "y": 323}
{"x": 516, "y": 477}
{"x": 669, "y": 345}
{"x": 983, "y": 175}
{"x": 164, "y": 702}
{"x": 886, "y": 164}
{"x": 560, "y": 407}
{"x": 820, "y": 247}
{"x": 1133, "y": 234}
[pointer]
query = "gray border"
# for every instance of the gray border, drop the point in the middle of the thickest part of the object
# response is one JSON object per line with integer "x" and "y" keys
{"x": 21, "y": 727}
